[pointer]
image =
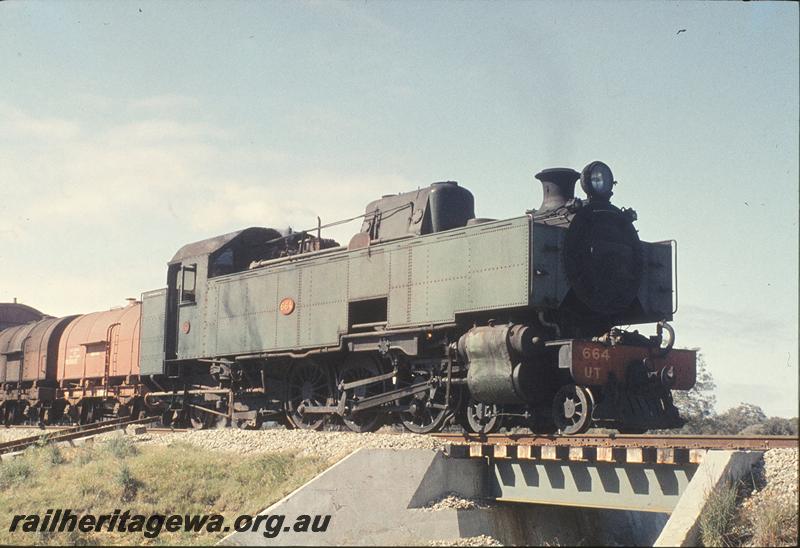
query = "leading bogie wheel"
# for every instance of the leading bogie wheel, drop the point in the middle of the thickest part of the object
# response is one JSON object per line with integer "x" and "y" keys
{"x": 483, "y": 418}
{"x": 572, "y": 409}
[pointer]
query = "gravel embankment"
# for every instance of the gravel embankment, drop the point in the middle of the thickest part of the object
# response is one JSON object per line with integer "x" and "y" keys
{"x": 11, "y": 434}
{"x": 767, "y": 516}
{"x": 326, "y": 445}
{"x": 775, "y": 478}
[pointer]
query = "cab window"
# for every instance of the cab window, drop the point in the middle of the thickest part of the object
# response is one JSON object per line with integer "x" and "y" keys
{"x": 188, "y": 280}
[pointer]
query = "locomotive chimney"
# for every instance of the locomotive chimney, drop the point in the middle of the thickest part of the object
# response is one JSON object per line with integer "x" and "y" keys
{"x": 558, "y": 187}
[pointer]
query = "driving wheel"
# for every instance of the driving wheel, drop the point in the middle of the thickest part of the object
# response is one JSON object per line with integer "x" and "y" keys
{"x": 308, "y": 387}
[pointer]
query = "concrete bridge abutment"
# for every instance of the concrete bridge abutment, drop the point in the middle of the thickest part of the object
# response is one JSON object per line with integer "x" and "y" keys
{"x": 379, "y": 497}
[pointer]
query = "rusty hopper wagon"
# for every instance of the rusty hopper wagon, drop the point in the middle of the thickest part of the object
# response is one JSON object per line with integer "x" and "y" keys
{"x": 98, "y": 365}
{"x": 28, "y": 369}
{"x": 428, "y": 317}
{"x": 15, "y": 313}
{"x": 80, "y": 368}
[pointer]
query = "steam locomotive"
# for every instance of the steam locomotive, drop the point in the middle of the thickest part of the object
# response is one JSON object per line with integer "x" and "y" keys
{"x": 428, "y": 317}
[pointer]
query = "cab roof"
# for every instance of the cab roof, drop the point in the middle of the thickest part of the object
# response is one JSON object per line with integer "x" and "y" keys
{"x": 211, "y": 245}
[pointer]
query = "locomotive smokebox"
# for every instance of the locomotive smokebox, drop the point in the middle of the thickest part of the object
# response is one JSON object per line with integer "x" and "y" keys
{"x": 558, "y": 187}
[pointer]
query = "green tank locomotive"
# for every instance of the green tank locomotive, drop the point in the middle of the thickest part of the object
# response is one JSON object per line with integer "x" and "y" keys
{"x": 428, "y": 317}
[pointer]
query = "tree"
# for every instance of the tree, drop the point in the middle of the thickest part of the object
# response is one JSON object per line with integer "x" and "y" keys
{"x": 738, "y": 418}
{"x": 773, "y": 426}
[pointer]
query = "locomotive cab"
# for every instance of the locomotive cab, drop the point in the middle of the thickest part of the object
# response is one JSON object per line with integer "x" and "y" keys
{"x": 187, "y": 283}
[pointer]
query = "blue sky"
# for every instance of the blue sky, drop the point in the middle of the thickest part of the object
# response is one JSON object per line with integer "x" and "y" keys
{"x": 126, "y": 133}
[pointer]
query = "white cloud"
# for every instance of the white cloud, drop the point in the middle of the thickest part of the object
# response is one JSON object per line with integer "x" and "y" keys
{"x": 90, "y": 215}
{"x": 15, "y": 122}
{"x": 295, "y": 201}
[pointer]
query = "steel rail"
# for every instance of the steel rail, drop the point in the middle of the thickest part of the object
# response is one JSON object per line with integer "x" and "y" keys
{"x": 73, "y": 433}
{"x": 69, "y": 429}
{"x": 626, "y": 440}
{"x": 51, "y": 427}
{"x": 168, "y": 430}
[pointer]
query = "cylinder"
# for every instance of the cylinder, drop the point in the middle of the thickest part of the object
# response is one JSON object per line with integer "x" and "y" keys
{"x": 496, "y": 357}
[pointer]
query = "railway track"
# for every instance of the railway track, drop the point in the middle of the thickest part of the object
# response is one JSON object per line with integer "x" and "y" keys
{"x": 670, "y": 441}
{"x": 498, "y": 444}
{"x": 72, "y": 433}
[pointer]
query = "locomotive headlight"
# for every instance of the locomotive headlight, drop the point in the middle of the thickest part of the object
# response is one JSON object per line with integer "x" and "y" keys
{"x": 597, "y": 181}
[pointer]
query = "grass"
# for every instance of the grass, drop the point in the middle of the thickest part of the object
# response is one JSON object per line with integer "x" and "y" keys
{"x": 116, "y": 474}
{"x": 719, "y": 516}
